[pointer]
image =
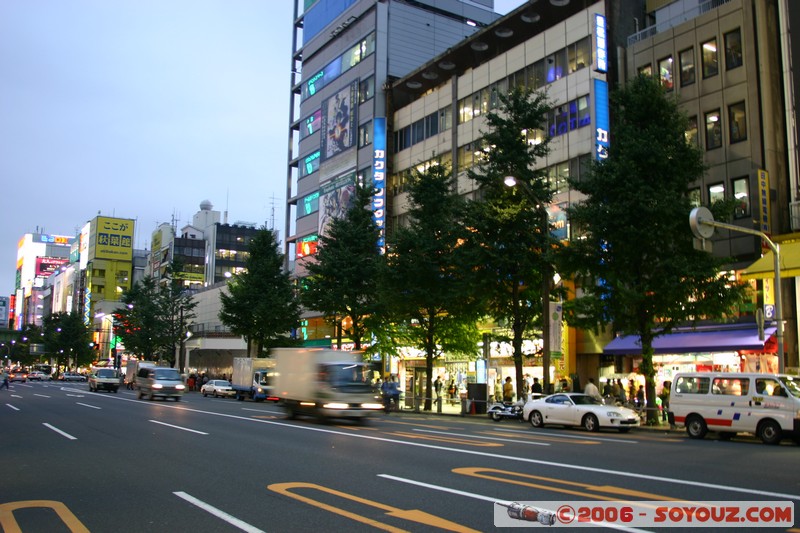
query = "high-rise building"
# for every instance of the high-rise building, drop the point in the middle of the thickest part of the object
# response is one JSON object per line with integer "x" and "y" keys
{"x": 345, "y": 55}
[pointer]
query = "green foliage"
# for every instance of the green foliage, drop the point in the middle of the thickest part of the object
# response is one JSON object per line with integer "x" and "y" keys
{"x": 509, "y": 242}
{"x": 633, "y": 256}
{"x": 429, "y": 303}
{"x": 343, "y": 275}
{"x": 139, "y": 322}
{"x": 67, "y": 337}
{"x": 260, "y": 303}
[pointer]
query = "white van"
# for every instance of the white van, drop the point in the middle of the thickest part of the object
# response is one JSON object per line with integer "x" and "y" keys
{"x": 729, "y": 402}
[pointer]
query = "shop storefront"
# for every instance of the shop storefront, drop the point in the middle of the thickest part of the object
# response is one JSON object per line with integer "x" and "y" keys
{"x": 724, "y": 348}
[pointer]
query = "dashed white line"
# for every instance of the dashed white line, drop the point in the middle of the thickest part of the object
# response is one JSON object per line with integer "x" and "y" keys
{"x": 41, "y": 395}
{"x": 178, "y": 427}
{"x": 70, "y": 437}
{"x": 87, "y": 405}
{"x": 11, "y": 406}
{"x": 222, "y": 515}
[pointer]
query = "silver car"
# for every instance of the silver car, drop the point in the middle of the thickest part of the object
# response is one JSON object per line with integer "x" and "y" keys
{"x": 218, "y": 387}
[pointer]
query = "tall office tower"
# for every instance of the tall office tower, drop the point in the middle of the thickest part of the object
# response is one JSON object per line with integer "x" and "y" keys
{"x": 345, "y": 54}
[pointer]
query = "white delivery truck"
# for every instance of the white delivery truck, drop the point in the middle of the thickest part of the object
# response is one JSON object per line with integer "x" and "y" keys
{"x": 132, "y": 369}
{"x": 767, "y": 405}
{"x": 252, "y": 378}
{"x": 324, "y": 383}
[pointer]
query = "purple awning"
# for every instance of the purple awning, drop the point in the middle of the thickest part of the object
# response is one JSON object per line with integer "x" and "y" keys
{"x": 693, "y": 341}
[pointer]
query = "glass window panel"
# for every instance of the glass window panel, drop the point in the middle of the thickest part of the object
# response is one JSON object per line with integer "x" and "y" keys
{"x": 741, "y": 193}
{"x": 709, "y": 58}
{"x": 691, "y": 130}
{"x": 713, "y": 130}
{"x": 665, "y": 73}
{"x": 737, "y": 122}
{"x": 476, "y": 104}
{"x": 687, "y": 67}
{"x": 583, "y": 53}
{"x": 716, "y": 193}
{"x": 695, "y": 199}
{"x": 733, "y": 49}
{"x": 464, "y": 110}
{"x": 537, "y": 75}
{"x": 646, "y": 70}
{"x": 445, "y": 118}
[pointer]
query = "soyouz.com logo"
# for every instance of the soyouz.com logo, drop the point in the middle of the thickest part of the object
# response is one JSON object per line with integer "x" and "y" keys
{"x": 749, "y": 514}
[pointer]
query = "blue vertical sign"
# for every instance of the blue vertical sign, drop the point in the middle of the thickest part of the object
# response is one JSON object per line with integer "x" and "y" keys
{"x": 379, "y": 178}
{"x": 601, "y": 120}
{"x": 600, "y": 44}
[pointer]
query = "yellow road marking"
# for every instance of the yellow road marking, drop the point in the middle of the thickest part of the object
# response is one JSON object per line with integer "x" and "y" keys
{"x": 440, "y": 438}
{"x": 616, "y": 492}
{"x": 413, "y": 515}
{"x": 540, "y": 437}
{"x": 9, "y": 524}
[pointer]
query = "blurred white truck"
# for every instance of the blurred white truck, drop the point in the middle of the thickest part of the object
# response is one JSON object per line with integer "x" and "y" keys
{"x": 324, "y": 383}
{"x": 252, "y": 378}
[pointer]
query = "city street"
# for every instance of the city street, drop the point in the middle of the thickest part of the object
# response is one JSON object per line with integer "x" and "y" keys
{"x": 74, "y": 460}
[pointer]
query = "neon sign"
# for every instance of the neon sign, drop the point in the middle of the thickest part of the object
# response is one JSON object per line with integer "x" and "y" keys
{"x": 601, "y": 43}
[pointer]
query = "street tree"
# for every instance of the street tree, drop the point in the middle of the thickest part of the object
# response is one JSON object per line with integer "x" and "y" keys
{"x": 138, "y": 322}
{"x": 425, "y": 286}
{"x": 510, "y": 239}
{"x": 342, "y": 280}
{"x": 632, "y": 251}
{"x": 260, "y": 303}
{"x": 176, "y": 307}
{"x": 67, "y": 338}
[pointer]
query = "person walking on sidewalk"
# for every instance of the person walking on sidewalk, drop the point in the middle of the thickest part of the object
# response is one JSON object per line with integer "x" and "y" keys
{"x": 508, "y": 390}
{"x": 5, "y": 379}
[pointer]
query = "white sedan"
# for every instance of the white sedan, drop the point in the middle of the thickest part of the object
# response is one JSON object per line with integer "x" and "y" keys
{"x": 576, "y": 409}
{"x": 218, "y": 387}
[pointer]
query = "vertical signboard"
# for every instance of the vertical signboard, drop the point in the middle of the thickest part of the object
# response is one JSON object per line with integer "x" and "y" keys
{"x": 379, "y": 178}
{"x": 600, "y": 44}
{"x": 339, "y": 121}
{"x": 602, "y": 122}
{"x": 763, "y": 202}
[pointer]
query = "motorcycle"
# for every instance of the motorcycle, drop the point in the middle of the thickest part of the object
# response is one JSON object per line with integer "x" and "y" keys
{"x": 500, "y": 410}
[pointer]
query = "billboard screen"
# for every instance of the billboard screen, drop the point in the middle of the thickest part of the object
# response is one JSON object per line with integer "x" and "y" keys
{"x": 339, "y": 121}
{"x": 47, "y": 265}
{"x": 335, "y": 198}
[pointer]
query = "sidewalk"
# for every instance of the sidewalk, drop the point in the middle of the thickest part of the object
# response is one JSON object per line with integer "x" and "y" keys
{"x": 464, "y": 408}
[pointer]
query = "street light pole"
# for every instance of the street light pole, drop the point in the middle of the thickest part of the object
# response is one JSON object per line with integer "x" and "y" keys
{"x": 702, "y": 223}
{"x": 511, "y": 181}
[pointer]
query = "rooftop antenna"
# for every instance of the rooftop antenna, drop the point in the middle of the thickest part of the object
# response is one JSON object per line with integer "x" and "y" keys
{"x": 272, "y": 213}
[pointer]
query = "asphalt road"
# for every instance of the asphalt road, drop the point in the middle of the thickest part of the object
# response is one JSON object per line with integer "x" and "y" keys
{"x": 103, "y": 462}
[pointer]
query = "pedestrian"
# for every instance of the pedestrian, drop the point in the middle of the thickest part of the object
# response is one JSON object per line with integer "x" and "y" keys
{"x": 508, "y": 390}
{"x": 665, "y": 399}
{"x": 623, "y": 398}
{"x": 536, "y": 388}
{"x": 591, "y": 390}
{"x": 437, "y": 388}
{"x": 451, "y": 390}
{"x": 526, "y": 387}
{"x": 5, "y": 380}
{"x": 608, "y": 388}
{"x": 640, "y": 398}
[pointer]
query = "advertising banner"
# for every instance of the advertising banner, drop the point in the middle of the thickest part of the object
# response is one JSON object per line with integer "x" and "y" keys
{"x": 336, "y": 197}
{"x": 339, "y": 121}
{"x": 47, "y": 265}
{"x": 114, "y": 239}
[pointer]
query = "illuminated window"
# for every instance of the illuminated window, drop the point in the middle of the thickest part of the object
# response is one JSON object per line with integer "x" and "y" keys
{"x": 665, "y": 75}
{"x": 716, "y": 193}
{"x": 709, "y": 57}
{"x": 645, "y": 70}
{"x": 364, "y": 134}
{"x": 713, "y": 130}
{"x": 695, "y": 200}
{"x": 741, "y": 193}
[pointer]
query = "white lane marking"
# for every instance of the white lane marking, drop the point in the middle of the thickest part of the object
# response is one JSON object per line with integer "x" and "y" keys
{"x": 41, "y": 395}
{"x": 16, "y": 396}
{"x": 659, "y": 478}
{"x": 489, "y": 499}
{"x": 11, "y": 406}
{"x": 264, "y": 411}
{"x": 244, "y": 526}
{"x": 70, "y": 437}
{"x": 87, "y": 405}
{"x": 531, "y": 443}
{"x": 564, "y": 436}
{"x": 178, "y": 427}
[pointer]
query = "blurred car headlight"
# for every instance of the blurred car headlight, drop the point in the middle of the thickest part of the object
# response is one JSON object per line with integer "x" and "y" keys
{"x": 180, "y": 387}
{"x": 334, "y": 405}
{"x": 158, "y": 386}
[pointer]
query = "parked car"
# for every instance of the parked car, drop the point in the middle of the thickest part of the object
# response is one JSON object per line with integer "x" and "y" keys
{"x": 38, "y": 375}
{"x": 577, "y": 409}
{"x": 18, "y": 374}
{"x": 72, "y": 376}
{"x": 218, "y": 387}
